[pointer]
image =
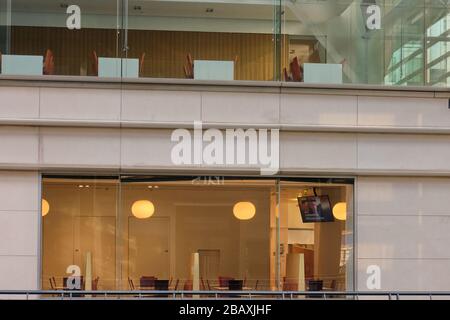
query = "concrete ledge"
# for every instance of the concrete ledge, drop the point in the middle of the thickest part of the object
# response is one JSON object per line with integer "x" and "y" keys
{"x": 234, "y": 86}
{"x": 222, "y": 125}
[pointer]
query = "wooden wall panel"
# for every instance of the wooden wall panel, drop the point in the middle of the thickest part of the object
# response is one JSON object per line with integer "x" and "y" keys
{"x": 165, "y": 50}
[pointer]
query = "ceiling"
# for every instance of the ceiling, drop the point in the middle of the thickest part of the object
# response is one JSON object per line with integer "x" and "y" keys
{"x": 308, "y": 11}
{"x": 316, "y": 10}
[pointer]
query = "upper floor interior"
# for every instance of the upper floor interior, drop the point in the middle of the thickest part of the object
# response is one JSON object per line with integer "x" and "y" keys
{"x": 376, "y": 42}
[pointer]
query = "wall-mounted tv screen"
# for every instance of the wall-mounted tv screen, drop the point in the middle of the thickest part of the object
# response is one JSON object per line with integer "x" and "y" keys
{"x": 315, "y": 209}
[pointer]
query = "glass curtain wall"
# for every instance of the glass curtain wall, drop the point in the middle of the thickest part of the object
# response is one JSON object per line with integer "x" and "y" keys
{"x": 196, "y": 233}
{"x": 382, "y": 42}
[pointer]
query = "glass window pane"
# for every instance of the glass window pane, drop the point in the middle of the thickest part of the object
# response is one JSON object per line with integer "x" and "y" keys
{"x": 63, "y": 38}
{"x": 79, "y": 233}
{"x": 216, "y": 40}
{"x": 226, "y": 224}
{"x": 316, "y": 232}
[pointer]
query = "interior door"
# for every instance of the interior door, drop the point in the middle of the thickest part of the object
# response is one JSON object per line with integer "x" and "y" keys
{"x": 209, "y": 264}
{"x": 148, "y": 248}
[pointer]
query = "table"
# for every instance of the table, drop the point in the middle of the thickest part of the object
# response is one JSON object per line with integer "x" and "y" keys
{"x": 226, "y": 288}
{"x": 322, "y": 73}
{"x": 213, "y": 70}
{"x": 22, "y": 65}
{"x": 111, "y": 68}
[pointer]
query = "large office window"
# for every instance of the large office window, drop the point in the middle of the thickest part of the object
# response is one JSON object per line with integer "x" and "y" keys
{"x": 196, "y": 233}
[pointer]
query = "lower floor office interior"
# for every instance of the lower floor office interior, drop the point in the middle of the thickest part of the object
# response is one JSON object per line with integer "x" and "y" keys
{"x": 197, "y": 233}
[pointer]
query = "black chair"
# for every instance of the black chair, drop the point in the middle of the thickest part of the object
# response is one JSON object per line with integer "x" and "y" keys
{"x": 235, "y": 285}
{"x": 161, "y": 285}
{"x": 316, "y": 286}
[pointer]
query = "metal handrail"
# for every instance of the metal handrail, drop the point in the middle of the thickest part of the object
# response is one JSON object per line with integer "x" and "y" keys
{"x": 244, "y": 295}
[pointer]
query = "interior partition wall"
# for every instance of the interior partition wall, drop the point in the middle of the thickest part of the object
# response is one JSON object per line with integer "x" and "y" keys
{"x": 126, "y": 232}
{"x": 382, "y": 42}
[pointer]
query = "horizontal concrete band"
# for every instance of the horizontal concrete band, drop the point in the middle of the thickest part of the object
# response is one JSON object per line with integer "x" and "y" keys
{"x": 215, "y": 125}
{"x": 229, "y": 86}
{"x": 173, "y": 170}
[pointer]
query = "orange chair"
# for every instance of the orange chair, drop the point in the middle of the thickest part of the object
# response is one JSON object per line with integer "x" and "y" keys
{"x": 189, "y": 67}
{"x": 49, "y": 63}
{"x": 141, "y": 65}
{"x": 95, "y": 63}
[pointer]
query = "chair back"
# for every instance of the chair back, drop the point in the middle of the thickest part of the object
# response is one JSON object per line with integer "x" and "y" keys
{"x": 95, "y": 284}
{"x": 223, "y": 281}
{"x": 315, "y": 285}
{"x": 235, "y": 285}
{"x": 52, "y": 286}
{"x": 161, "y": 285}
{"x": 175, "y": 288}
{"x": 131, "y": 284}
{"x": 95, "y": 63}
{"x": 188, "y": 286}
{"x": 49, "y": 63}
{"x": 147, "y": 282}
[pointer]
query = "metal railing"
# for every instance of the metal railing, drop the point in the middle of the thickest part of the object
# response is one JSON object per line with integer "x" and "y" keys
{"x": 217, "y": 295}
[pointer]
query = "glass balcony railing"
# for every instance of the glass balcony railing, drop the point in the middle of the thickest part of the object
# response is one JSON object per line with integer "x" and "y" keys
{"x": 379, "y": 42}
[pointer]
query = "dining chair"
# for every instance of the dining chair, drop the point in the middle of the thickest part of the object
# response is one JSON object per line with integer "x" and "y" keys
{"x": 235, "y": 285}
{"x": 95, "y": 284}
{"x": 131, "y": 284}
{"x": 175, "y": 288}
{"x": 52, "y": 286}
{"x": 147, "y": 282}
{"x": 202, "y": 284}
{"x": 188, "y": 286}
{"x": 141, "y": 65}
{"x": 223, "y": 281}
{"x": 49, "y": 63}
{"x": 95, "y": 62}
{"x": 162, "y": 285}
{"x": 315, "y": 285}
{"x": 256, "y": 285}
{"x": 189, "y": 67}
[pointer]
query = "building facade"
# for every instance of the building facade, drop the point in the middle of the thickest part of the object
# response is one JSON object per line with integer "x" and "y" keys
{"x": 272, "y": 145}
